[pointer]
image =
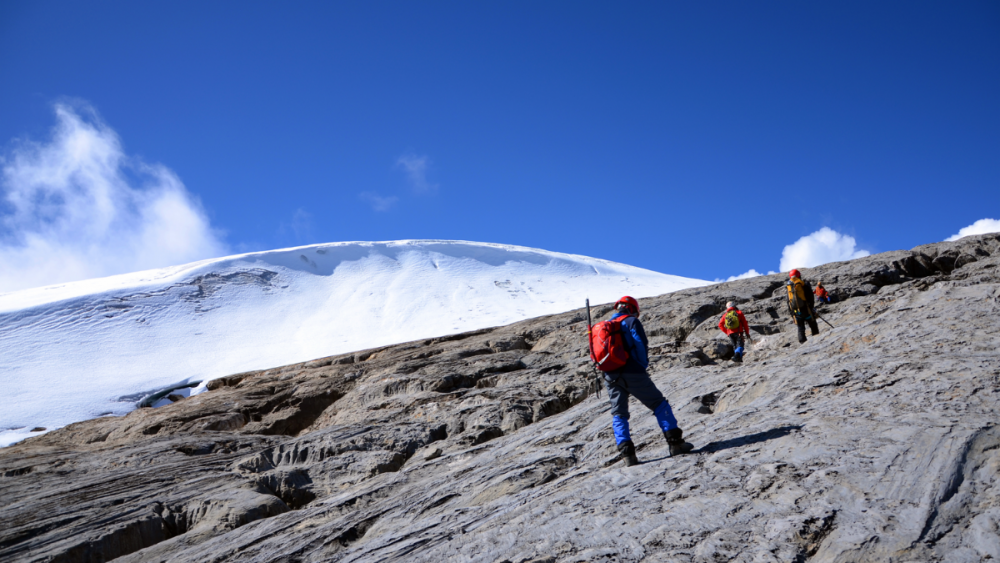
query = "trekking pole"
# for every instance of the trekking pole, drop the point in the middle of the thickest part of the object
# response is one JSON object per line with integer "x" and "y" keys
{"x": 590, "y": 345}
{"x": 822, "y": 319}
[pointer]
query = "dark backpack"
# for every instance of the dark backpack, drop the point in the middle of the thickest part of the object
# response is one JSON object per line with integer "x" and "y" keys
{"x": 607, "y": 348}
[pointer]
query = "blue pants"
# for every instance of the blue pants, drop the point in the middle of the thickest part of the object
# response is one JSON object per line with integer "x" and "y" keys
{"x": 739, "y": 342}
{"x": 641, "y": 387}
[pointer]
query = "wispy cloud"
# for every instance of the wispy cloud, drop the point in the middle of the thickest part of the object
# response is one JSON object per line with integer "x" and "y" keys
{"x": 980, "y": 227}
{"x": 824, "y": 246}
{"x": 750, "y": 274}
{"x": 299, "y": 230}
{"x": 78, "y": 207}
{"x": 378, "y": 203}
{"x": 302, "y": 224}
{"x": 416, "y": 167}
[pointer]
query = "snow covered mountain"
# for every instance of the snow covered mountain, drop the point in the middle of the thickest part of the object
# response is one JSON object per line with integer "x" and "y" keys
{"x": 75, "y": 351}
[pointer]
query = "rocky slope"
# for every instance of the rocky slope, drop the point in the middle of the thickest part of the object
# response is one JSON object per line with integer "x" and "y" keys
{"x": 874, "y": 441}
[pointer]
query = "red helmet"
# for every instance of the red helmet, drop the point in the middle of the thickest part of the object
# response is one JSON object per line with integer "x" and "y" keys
{"x": 630, "y": 304}
{"x": 794, "y": 274}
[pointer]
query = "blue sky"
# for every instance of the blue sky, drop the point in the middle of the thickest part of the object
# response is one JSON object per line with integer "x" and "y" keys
{"x": 697, "y": 139}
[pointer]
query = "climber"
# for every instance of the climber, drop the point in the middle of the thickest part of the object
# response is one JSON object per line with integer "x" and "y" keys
{"x": 734, "y": 324}
{"x": 632, "y": 379}
{"x": 821, "y": 293}
{"x": 801, "y": 304}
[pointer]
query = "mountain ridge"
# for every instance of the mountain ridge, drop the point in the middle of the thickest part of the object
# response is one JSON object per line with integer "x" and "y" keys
{"x": 75, "y": 351}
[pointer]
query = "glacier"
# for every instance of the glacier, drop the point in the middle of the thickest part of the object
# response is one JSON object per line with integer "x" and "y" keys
{"x": 92, "y": 348}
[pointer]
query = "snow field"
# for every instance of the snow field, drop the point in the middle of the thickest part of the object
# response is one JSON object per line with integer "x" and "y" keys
{"x": 94, "y": 348}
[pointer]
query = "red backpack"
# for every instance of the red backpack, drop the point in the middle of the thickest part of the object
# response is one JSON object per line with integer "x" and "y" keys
{"x": 607, "y": 348}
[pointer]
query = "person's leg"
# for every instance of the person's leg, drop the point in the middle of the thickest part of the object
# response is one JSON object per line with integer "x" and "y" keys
{"x": 621, "y": 429}
{"x": 643, "y": 389}
{"x": 671, "y": 431}
{"x": 814, "y": 326}
{"x": 737, "y": 347}
{"x": 665, "y": 416}
{"x": 801, "y": 326}
{"x": 618, "y": 397}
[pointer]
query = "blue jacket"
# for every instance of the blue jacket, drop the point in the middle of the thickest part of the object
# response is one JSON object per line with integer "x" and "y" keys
{"x": 636, "y": 343}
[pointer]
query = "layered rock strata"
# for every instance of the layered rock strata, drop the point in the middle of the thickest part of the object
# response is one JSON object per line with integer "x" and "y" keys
{"x": 875, "y": 441}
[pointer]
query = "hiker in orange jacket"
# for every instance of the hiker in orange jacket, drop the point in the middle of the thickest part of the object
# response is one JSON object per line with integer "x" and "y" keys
{"x": 821, "y": 293}
{"x": 738, "y": 331}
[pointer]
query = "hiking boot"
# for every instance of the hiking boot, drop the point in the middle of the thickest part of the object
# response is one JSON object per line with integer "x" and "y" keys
{"x": 680, "y": 448}
{"x": 676, "y": 443}
{"x": 627, "y": 449}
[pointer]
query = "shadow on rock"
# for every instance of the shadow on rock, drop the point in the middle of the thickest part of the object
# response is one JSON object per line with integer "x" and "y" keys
{"x": 751, "y": 439}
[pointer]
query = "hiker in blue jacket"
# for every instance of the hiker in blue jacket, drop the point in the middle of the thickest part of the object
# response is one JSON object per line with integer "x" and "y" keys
{"x": 632, "y": 379}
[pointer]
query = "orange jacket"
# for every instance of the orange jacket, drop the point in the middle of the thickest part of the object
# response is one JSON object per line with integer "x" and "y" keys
{"x": 744, "y": 327}
{"x": 821, "y": 292}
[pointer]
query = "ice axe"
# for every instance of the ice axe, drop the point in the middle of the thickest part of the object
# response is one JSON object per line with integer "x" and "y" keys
{"x": 590, "y": 338}
{"x": 590, "y": 345}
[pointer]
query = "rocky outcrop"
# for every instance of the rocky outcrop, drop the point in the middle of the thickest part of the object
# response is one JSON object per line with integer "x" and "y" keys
{"x": 875, "y": 441}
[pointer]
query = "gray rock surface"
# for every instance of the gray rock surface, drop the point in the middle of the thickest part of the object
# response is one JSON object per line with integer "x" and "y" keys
{"x": 874, "y": 441}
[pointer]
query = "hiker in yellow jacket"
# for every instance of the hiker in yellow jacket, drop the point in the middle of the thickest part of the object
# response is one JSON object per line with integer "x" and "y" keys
{"x": 801, "y": 304}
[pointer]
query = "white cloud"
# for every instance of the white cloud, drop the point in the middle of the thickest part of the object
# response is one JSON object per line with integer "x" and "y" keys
{"x": 980, "y": 227}
{"x": 416, "y": 168}
{"x": 378, "y": 202}
{"x": 824, "y": 246}
{"x": 750, "y": 274}
{"x": 77, "y": 207}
